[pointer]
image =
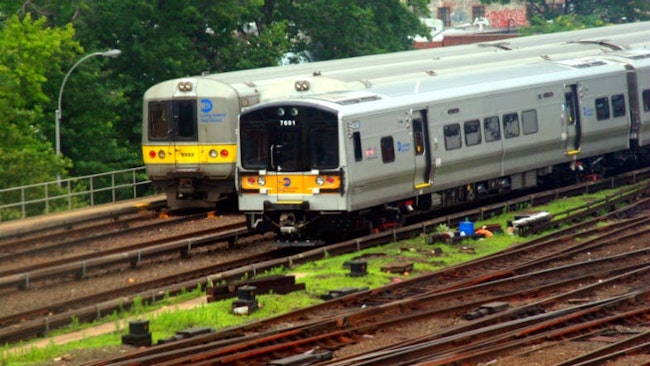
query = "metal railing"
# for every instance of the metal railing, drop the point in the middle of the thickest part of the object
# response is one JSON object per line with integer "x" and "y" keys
{"x": 67, "y": 194}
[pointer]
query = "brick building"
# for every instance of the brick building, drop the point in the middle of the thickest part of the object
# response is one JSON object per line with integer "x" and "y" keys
{"x": 469, "y": 21}
{"x": 455, "y": 13}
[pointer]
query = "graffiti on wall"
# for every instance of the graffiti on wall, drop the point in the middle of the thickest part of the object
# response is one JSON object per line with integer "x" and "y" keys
{"x": 500, "y": 18}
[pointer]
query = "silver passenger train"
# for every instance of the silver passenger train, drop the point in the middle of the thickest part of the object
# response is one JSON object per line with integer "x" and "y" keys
{"x": 188, "y": 138}
{"x": 338, "y": 163}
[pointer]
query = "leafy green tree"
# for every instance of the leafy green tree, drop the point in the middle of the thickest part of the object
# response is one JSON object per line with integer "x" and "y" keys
{"x": 160, "y": 40}
{"x": 30, "y": 54}
{"x": 560, "y": 24}
{"x": 331, "y": 29}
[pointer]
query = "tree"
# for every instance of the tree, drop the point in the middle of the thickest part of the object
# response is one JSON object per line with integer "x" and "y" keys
{"x": 331, "y": 29}
{"x": 30, "y": 53}
{"x": 160, "y": 40}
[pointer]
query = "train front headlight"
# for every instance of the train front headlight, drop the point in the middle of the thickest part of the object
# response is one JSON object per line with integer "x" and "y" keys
{"x": 320, "y": 181}
{"x": 161, "y": 154}
{"x": 213, "y": 153}
{"x": 185, "y": 86}
{"x": 261, "y": 180}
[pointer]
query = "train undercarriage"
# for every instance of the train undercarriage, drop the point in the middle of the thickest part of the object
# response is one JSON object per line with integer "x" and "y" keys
{"x": 304, "y": 227}
{"x": 197, "y": 192}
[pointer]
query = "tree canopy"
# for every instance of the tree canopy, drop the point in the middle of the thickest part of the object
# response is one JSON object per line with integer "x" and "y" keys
{"x": 101, "y": 104}
{"x": 30, "y": 55}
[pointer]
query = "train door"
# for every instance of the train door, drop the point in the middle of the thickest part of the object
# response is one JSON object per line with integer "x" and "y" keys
{"x": 183, "y": 133}
{"x": 423, "y": 168}
{"x": 572, "y": 116}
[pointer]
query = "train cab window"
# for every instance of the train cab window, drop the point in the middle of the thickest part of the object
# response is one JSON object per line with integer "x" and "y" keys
{"x": 452, "y": 136}
{"x": 323, "y": 146}
{"x": 254, "y": 146}
{"x": 185, "y": 116}
{"x": 618, "y": 105}
{"x": 358, "y": 152}
{"x": 510, "y": 125}
{"x": 492, "y": 129}
{"x": 159, "y": 113}
{"x": 472, "y": 131}
{"x": 602, "y": 108}
{"x": 387, "y": 149}
{"x": 418, "y": 136}
{"x": 646, "y": 100}
{"x": 529, "y": 121}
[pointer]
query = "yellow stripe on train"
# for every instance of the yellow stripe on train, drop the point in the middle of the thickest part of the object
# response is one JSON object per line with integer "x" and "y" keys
{"x": 290, "y": 183}
{"x": 189, "y": 154}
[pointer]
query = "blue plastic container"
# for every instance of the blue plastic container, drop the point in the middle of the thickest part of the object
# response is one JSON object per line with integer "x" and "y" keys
{"x": 466, "y": 227}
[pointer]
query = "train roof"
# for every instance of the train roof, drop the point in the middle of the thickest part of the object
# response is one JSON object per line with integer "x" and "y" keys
{"x": 366, "y": 71}
{"x": 384, "y": 65}
{"x": 461, "y": 84}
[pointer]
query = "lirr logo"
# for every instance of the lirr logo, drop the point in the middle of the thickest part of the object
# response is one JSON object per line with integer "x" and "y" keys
{"x": 206, "y": 105}
{"x": 286, "y": 182}
{"x": 403, "y": 147}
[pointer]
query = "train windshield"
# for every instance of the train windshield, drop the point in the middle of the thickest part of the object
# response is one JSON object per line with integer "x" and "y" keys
{"x": 289, "y": 139}
{"x": 173, "y": 120}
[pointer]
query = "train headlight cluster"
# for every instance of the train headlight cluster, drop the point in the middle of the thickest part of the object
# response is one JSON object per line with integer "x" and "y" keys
{"x": 302, "y": 85}
{"x": 214, "y": 153}
{"x": 160, "y": 154}
{"x": 185, "y": 86}
{"x": 320, "y": 180}
{"x": 260, "y": 180}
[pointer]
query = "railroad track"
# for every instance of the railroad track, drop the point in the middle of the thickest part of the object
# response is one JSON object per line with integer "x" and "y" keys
{"x": 243, "y": 270}
{"x": 80, "y": 266}
{"x": 91, "y": 241}
{"x": 338, "y": 323}
{"x": 40, "y": 321}
{"x": 71, "y": 224}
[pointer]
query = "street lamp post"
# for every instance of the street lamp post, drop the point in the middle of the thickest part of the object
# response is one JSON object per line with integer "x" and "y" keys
{"x": 57, "y": 113}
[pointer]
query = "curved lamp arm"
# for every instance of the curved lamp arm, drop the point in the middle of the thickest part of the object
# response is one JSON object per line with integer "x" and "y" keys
{"x": 57, "y": 115}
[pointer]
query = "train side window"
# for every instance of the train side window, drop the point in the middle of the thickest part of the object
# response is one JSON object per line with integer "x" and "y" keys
{"x": 418, "y": 136}
{"x": 618, "y": 105}
{"x": 492, "y": 129}
{"x": 387, "y": 149}
{"x": 510, "y": 125}
{"x": 646, "y": 100}
{"x": 529, "y": 121}
{"x": 356, "y": 140}
{"x": 452, "y": 136}
{"x": 602, "y": 108}
{"x": 472, "y": 132}
{"x": 159, "y": 113}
